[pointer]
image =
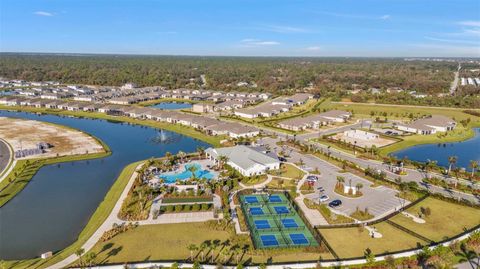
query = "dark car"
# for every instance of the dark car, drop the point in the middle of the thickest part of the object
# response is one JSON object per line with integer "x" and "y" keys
{"x": 335, "y": 203}
{"x": 282, "y": 159}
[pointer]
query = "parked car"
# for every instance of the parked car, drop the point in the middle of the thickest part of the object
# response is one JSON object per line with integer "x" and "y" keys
{"x": 282, "y": 159}
{"x": 323, "y": 198}
{"x": 335, "y": 203}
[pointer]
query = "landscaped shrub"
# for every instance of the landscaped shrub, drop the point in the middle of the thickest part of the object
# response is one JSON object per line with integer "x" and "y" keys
{"x": 178, "y": 208}
{"x": 196, "y": 207}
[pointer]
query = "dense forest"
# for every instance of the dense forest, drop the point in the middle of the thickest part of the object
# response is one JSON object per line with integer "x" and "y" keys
{"x": 223, "y": 73}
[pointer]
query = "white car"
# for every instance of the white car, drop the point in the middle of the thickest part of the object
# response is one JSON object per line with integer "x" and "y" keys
{"x": 323, "y": 198}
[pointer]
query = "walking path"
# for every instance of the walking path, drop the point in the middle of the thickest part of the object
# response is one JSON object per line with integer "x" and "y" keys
{"x": 107, "y": 224}
{"x": 313, "y": 216}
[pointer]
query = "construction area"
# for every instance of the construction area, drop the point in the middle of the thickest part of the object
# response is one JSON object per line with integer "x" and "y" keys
{"x": 34, "y": 139}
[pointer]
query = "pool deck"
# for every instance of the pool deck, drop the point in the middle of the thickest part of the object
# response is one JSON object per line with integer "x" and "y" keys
{"x": 182, "y": 168}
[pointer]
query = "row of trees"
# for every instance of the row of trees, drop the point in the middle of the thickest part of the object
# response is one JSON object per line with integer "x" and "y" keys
{"x": 328, "y": 75}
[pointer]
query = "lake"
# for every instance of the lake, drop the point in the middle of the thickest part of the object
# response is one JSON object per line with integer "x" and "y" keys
{"x": 55, "y": 206}
{"x": 465, "y": 151}
{"x": 172, "y": 105}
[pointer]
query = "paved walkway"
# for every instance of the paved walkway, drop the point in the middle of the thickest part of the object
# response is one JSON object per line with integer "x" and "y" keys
{"x": 313, "y": 216}
{"x": 107, "y": 224}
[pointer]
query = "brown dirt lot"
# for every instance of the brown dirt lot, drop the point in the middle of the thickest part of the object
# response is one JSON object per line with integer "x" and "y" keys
{"x": 25, "y": 134}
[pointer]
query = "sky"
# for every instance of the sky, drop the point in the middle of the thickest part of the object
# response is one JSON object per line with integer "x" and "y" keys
{"x": 356, "y": 28}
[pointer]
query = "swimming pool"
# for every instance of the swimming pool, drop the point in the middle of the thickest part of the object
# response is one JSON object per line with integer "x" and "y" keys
{"x": 186, "y": 174}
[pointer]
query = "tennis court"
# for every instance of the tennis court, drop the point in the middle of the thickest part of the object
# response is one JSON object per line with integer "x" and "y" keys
{"x": 262, "y": 224}
{"x": 289, "y": 223}
{"x": 273, "y": 222}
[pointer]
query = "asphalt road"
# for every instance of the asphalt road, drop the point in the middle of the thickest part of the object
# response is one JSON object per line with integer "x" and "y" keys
{"x": 4, "y": 156}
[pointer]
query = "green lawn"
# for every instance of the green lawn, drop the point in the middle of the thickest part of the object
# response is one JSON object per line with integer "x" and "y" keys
{"x": 446, "y": 219}
{"x": 350, "y": 242}
{"x": 288, "y": 170}
{"x": 170, "y": 242}
{"x": 281, "y": 183}
{"x": 188, "y": 131}
{"x": 95, "y": 221}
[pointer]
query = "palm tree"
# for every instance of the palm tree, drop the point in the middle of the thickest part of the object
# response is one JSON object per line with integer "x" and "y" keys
{"x": 474, "y": 166}
{"x": 79, "y": 252}
{"x": 340, "y": 180}
{"x": 222, "y": 160}
{"x": 359, "y": 186}
{"x": 193, "y": 169}
{"x": 213, "y": 247}
{"x": 181, "y": 155}
{"x": 224, "y": 253}
{"x": 192, "y": 248}
{"x": 203, "y": 246}
{"x": 467, "y": 255}
{"x": 90, "y": 258}
{"x": 430, "y": 164}
{"x": 452, "y": 160}
{"x": 201, "y": 151}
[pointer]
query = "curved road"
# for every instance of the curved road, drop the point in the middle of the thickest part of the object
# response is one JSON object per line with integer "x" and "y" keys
{"x": 5, "y": 155}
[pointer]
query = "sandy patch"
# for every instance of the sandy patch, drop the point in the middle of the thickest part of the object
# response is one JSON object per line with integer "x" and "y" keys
{"x": 378, "y": 142}
{"x": 25, "y": 134}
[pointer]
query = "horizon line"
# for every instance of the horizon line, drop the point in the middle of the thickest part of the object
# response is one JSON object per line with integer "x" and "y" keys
{"x": 232, "y": 56}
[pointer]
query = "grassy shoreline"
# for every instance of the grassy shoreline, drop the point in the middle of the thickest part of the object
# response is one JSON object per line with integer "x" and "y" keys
{"x": 95, "y": 221}
{"x": 184, "y": 130}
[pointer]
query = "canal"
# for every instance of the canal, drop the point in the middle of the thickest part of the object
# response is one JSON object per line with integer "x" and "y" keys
{"x": 55, "y": 206}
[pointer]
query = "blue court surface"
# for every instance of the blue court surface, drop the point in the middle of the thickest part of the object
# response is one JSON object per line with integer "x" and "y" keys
{"x": 251, "y": 199}
{"x": 269, "y": 240}
{"x": 299, "y": 239}
{"x": 274, "y": 199}
{"x": 255, "y": 211}
{"x": 281, "y": 209}
{"x": 262, "y": 224}
{"x": 289, "y": 223}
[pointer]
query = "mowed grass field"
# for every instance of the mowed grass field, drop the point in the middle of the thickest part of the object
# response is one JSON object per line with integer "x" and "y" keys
{"x": 288, "y": 170}
{"x": 353, "y": 242}
{"x": 446, "y": 219}
{"x": 170, "y": 242}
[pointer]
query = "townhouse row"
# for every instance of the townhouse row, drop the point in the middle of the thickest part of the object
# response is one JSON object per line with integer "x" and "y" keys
{"x": 210, "y": 126}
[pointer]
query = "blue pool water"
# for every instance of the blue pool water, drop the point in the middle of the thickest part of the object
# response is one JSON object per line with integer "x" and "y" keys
{"x": 186, "y": 174}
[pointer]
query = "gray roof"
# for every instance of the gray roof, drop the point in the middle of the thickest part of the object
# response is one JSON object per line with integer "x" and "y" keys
{"x": 243, "y": 156}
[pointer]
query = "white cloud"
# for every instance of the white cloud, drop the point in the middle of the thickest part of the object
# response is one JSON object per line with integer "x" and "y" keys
{"x": 251, "y": 42}
{"x": 355, "y": 16}
{"x": 456, "y": 41}
{"x": 313, "y": 48}
{"x": 470, "y": 23}
{"x": 284, "y": 29}
{"x": 43, "y": 13}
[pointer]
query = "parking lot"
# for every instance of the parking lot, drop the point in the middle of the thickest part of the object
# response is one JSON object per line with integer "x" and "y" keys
{"x": 379, "y": 200}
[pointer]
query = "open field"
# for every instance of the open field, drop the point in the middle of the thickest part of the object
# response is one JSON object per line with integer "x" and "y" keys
{"x": 353, "y": 242}
{"x": 188, "y": 131}
{"x": 26, "y": 134}
{"x": 446, "y": 219}
{"x": 170, "y": 242}
{"x": 95, "y": 221}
